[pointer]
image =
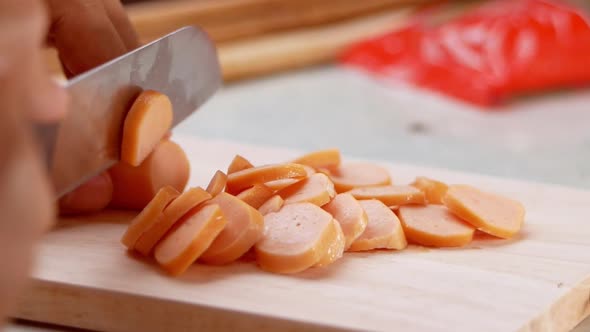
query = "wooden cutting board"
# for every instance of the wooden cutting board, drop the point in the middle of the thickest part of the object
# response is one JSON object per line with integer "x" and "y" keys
{"x": 537, "y": 282}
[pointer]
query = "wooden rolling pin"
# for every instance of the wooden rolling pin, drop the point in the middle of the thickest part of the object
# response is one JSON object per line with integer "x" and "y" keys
{"x": 303, "y": 47}
{"x": 317, "y": 44}
{"x": 227, "y": 20}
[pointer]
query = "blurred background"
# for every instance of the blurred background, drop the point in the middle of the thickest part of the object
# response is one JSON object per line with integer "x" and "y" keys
{"x": 493, "y": 87}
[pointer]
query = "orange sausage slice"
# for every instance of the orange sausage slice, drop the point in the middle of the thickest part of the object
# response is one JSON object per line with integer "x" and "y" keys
{"x": 239, "y": 163}
{"x": 329, "y": 158}
{"x": 433, "y": 189}
{"x": 171, "y": 214}
{"x": 295, "y": 239}
{"x": 281, "y": 184}
{"x": 146, "y": 123}
{"x": 354, "y": 175}
{"x": 244, "y": 228}
{"x": 335, "y": 249}
{"x": 284, "y": 183}
{"x": 189, "y": 238}
{"x": 148, "y": 216}
{"x": 351, "y": 216}
{"x": 391, "y": 195}
{"x": 383, "y": 231}
{"x": 217, "y": 183}
{"x": 134, "y": 187}
{"x": 317, "y": 189}
{"x": 434, "y": 225}
{"x": 310, "y": 170}
{"x": 238, "y": 181}
{"x": 490, "y": 213}
{"x": 256, "y": 196}
{"x": 273, "y": 204}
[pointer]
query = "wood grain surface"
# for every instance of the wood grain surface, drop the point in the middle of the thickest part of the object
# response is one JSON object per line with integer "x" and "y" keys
{"x": 539, "y": 281}
{"x": 228, "y": 20}
{"x": 280, "y": 52}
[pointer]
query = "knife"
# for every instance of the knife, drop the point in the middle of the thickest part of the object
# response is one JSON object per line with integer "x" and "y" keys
{"x": 183, "y": 65}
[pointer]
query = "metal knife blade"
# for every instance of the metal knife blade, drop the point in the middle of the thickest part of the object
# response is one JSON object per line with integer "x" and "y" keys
{"x": 183, "y": 65}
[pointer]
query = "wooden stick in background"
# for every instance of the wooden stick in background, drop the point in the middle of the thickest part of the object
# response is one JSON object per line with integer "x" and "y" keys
{"x": 300, "y": 48}
{"x": 320, "y": 35}
{"x": 227, "y": 20}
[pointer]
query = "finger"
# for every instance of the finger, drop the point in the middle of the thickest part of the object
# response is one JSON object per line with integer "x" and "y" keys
{"x": 25, "y": 196}
{"x": 51, "y": 99}
{"x": 120, "y": 20}
{"x": 93, "y": 196}
{"x": 24, "y": 25}
{"x": 83, "y": 34}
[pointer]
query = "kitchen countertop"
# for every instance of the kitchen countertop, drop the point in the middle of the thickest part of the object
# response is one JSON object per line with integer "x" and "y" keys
{"x": 543, "y": 139}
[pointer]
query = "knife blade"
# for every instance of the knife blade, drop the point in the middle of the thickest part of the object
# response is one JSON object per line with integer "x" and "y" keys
{"x": 183, "y": 65}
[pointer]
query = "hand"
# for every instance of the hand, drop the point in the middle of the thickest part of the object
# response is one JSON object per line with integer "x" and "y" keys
{"x": 87, "y": 33}
{"x": 26, "y": 94}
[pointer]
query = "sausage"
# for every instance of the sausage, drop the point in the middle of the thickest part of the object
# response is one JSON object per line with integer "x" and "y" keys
{"x": 273, "y": 204}
{"x": 490, "y": 213}
{"x": 217, "y": 183}
{"x": 171, "y": 214}
{"x": 383, "y": 231}
{"x": 335, "y": 250}
{"x": 147, "y": 123}
{"x": 148, "y": 216}
{"x": 295, "y": 239}
{"x": 244, "y": 228}
{"x": 390, "y": 195}
{"x": 239, "y": 163}
{"x": 241, "y": 180}
{"x": 350, "y": 214}
{"x": 189, "y": 238}
{"x": 256, "y": 196}
{"x": 353, "y": 175}
{"x": 434, "y": 225}
{"x": 134, "y": 187}
{"x": 329, "y": 158}
{"x": 284, "y": 183}
{"x": 433, "y": 189}
{"x": 317, "y": 189}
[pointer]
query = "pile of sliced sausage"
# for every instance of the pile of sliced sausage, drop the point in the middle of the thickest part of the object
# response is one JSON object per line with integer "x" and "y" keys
{"x": 295, "y": 215}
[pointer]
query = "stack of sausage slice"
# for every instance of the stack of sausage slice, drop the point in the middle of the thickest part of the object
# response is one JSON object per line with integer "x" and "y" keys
{"x": 298, "y": 214}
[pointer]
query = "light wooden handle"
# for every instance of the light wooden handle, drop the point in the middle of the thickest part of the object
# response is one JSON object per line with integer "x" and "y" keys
{"x": 300, "y": 48}
{"x": 228, "y": 20}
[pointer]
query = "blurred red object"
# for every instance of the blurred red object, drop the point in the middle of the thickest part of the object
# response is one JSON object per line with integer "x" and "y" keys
{"x": 497, "y": 51}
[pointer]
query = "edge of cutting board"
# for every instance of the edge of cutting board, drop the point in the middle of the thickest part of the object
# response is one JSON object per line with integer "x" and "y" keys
{"x": 133, "y": 313}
